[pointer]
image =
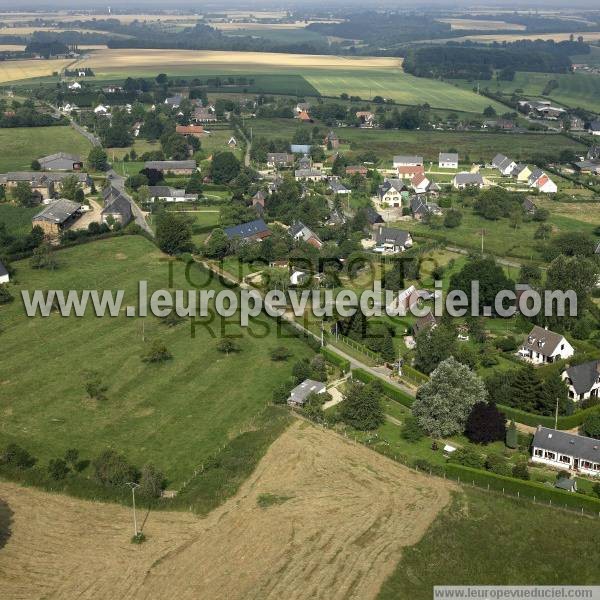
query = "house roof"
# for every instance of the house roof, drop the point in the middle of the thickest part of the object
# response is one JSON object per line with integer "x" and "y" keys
{"x": 118, "y": 205}
{"x": 338, "y": 187}
{"x": 448, "y": 157}
{"x": 418, "y": 179}
{"x": 300, "y": 230}
{"x": 535, "y": 175}
{"x": 424, "y": 322}
{"x": 58, "y": 211}
{"x": 414, "y": 170}
{"x": 168, "y": 165}
{"x": 189, "y": 129}
{"x": 594, "y": 125}
{"x": 246, "y": 230}
{"x": 301, "y": 392}
{"x": 529, "y": 205}
{"x": 300, "y": 148}
{"x": 468, "y": 179}
{"x": 3, "y": 270}
{"x": 308, "y": 173}
{"x": 519, "y": 168}
{"x": 59, "y": 156}
{"x": 584, "y": 376}
{"x": 567, "y": 443}
{"x": 417, "y": 206}
{"x": 372, "y": 215}
{"x": 566, "y": 483}
{"x": 408, "y": 160}
{"x": 279, "y": 157}
{"x": 174, "y": 100}
{"x": 542, "y": 341}
{"x": 392, "y": 235}
{"x": 498, "y": 160}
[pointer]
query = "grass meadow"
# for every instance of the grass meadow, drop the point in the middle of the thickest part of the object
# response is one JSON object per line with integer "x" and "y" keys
{"x": 487, "y": 539}
{"x": 21, "y": 145}
{"x": 174, "y": 414}
{"x": 17, "y": 218}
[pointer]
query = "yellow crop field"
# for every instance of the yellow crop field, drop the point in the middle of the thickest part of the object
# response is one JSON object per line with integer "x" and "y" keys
{"x": 588, "y": 36}
{"x": 11, "y": 48}
{"x": 134, "y": 60}
{"x": 30, "y": 30}
{"x": 15, "y": 70}
{"x": 265, "y": 26}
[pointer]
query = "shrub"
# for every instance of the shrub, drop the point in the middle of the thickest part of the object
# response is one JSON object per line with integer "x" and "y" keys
{"x": 16, "y": 456}
{"x": 58, "y": 469}
{"x": 512, "y": 437}
{"x": 591, "y": 425}
{"x": 520, "y": 471}
{"x": 596, "y": 489}
{"x": 282, "y": 392}
{"x": 111, "y": 468}
{"x": 227, "y": 345}
{"x": 152, "y": 482}
{"x": 5, "y": 295}
{"x": 507, "y": 344}
{"x": 94, "y": 387}
{"x": 411, "y": 430}
{"x": 157, "y": 353}
{"x": 280, "y": 353}
{"x": 467, "y": 457}
{"x": 498, "y": 464}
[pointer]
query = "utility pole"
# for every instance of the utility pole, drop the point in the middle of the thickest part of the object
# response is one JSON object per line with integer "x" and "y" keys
{"x": 133, "y": 487}
{"x": 556, "y": 414}
{"x": 322, "y": 334}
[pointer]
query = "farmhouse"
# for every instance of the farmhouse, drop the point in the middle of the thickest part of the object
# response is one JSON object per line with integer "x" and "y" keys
{"x": 353, "y": 169}
{"x": 61, "y": 161}
{"x": 563, "y": 450}
{"x": 177, "y": 167}
{"x": 407, "y": 161}
{"x": 409, "y": 172}
{"x": 503, "y": 164}
{"x": 300, "y": 393}
{"x": 166, "y": 193}
{"x": 117, "y": 207}
{"x": 42, "y": 187}
{"x": 204, "y": 115}
{"x": 389, "y": 240}
{"x": 253, "y": 231}
{"x": 448, "y": 160}
{"x": 594, "y": 127}
{"x": 521, "y": 172}
{"x": 391, "y": 192}
{"x": 308, "y": 175}
{"x": 405, "y": 300}
{"x": 421, "y": 185}
{"x": 543, "y": 346}
{"x": 338, "y": 188}
{"x": 4, "y": 276}
{"x": 258, "y": 202}
{"x": 300, "y": 232}
{"x": 428, "y": 321}
{"x": 101, "y": 109}
{"x": 74, "y": 86}
{"x": 302, "y": 107}
{"x": 304, "y": 117}
{"x": 466, "y": 180}
{"x": 539, "y": 180}
{"x": 583, "y": 381}
{"x": 331, "y": 141}
{"x": 590, "y": 167}
{"x": 195, "y": 130}
{"x": 57, "y": 216}
{"x": 279, "y": 159}
{"x": 174, "y": 101}
{"x": 365, "y": 118}
{"x": 421, "y": 208}
{"x": 372, "y": 216}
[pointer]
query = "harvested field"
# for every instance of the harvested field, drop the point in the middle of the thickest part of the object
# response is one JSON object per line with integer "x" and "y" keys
{"x": 14, "y": 70}
{"x": 482, "y": 25}
{"x": 319, "y": 518}
{"x": 588, "y": 36}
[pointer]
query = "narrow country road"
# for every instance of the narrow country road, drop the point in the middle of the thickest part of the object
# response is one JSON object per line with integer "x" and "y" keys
{"x": 118, "y": 181}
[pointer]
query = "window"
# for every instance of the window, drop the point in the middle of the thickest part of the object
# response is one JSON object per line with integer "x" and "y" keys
{"x": 550, "y": 455}
{"x": 538, "y": 452}
{"x": 596, "y": 467}
{"x": 565, "y": 459}
{"x": 586, "y": 464}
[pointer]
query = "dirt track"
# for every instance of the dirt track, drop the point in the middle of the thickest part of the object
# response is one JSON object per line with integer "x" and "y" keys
{"x": 348, "y": 514}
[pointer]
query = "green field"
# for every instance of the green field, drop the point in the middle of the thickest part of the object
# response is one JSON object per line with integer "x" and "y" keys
{"x": 574, "y": 89}
{"x": 174, "y": 415}
{"x": 478, "y": 146}
{"x": 21, "y": 145}
{"x": 486, "y": 539}
{"x": 17, "y": 218}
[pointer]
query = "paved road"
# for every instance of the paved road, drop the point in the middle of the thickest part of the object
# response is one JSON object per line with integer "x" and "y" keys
{"x": 118, "y": 181}
{"x": 92, "y": 139}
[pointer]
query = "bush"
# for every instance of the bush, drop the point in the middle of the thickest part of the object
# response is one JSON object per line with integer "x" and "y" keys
{"x": 280, "y": 353}
{"x": 336, "y": 360}
{"x": 591, "y": 425}
{"x": 112, "y": 469}
{"x": 157, "y": 353}
{"x": 282, "y": 392}
{"x": 58, "y": 469}
{"x": 227, "y": 345}
{"x": 5, "y": 295}
{"x": 498, "y": 464}
{"x": 411, "y": 430}
{"x": 512, "y": 437}
{"x": 17, "y": 457}
{"x": 485, "y": 424}
{"x": 467, "y": 457}
{"x": 152, "y": 482}
{"x": 520, "y": 471}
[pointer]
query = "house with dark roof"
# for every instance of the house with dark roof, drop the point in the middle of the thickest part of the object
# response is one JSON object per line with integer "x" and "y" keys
{"x": 448, "y": 160}
{"x": 174, "y": 101}
{"x": 300, "y": 232}
{"x": 57, "y": 216}
{"x": 583, "y": 381}
{"x": 254, "y": 231}
{"x": 543, "y": 346}
{"x": 337, "y": 187}
{"x": 594, "y": 127}
{"x": 392, "y": 192}
{"x": 331, "y": 140}
{"x": 61, "y": 161}
{"x": 309, "y": 175}
{"x": 177, "y": 167}
{"x": 300, "y": 393}
{"x": 420, "y": 207}
{"x": 565, "y": 451}
{"x": 372, "y": 216}
{"x": 427, "y": 321}
{"x": 279, "y": 159}
{"x": 402, "y": 160}
{"x": 204, "y": 115}
{"x": 467, "y": 180}
{"x": 521, "y": 172}
{"x": 4, "y": 276}
{"x": 529, "y": 206}
{"x": 503, "y": 164}
{"x": 300, "y": 148}
{"x": 258, "y": 202}
{"x": 389, "y": 240}
{"x": 117, "y": 208}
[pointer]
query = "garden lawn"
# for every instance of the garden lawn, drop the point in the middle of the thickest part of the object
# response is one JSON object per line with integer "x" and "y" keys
{"x": 21, "y": 145}
{"x": 175, "y": 414}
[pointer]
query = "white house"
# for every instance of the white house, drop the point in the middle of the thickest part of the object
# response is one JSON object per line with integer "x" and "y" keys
{"x": 166, "y": 193}
{"x": 301, "y": 392}
{"x": 4, "y": 276}
{"x": 544, "y": 346}
{"x": 298, "y": 277}
{"x": 408, "y": 161}
{"x": 420, "y": 184}
{"x": 583, "y": 381}
{"x": 448, "y": 160}
{"x": 465, "y": 180}
{"x": 540, "y": 181}
{"x": 503, "y": 164}
{"x": 594, "y": 128}
{"x": 390, "y": 192}
{"x": 566, "y": 451}
{"x": 74, "y": 86}
{"x": 389, "y": 240}
{"x": 101, "y": 109}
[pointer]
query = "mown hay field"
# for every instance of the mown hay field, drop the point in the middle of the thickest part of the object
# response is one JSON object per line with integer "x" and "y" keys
{"x": 588, "y": 36}
{"x": 16, "y": 70}
{"x": 482, "y": 24}
{"x": 330, "y": 75}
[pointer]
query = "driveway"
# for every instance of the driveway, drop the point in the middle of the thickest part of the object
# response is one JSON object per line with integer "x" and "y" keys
{"x": 92, "y": 216}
